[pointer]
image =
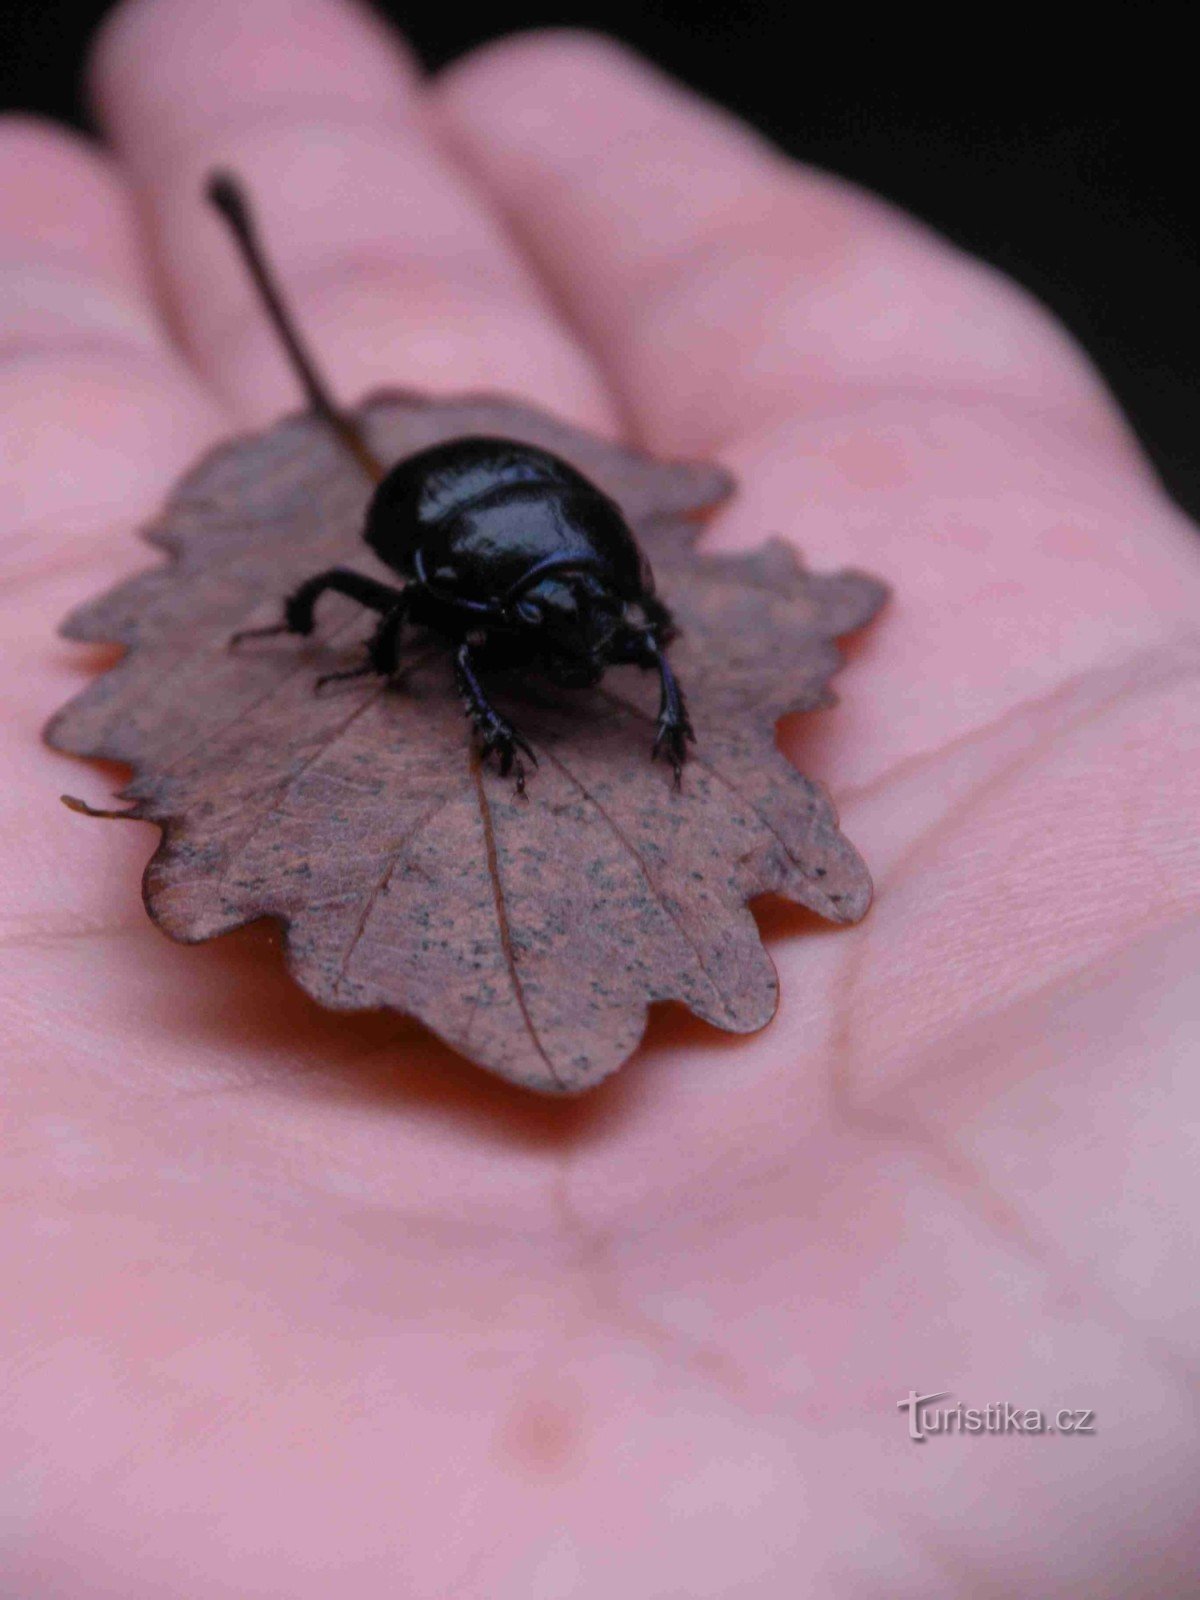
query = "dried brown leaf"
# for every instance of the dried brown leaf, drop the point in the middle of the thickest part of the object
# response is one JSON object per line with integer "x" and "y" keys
{"x": 530, "y": 933}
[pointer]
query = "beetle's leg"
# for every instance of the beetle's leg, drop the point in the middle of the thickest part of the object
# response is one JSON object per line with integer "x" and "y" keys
{"x": 659, "y": 619}
{"x": 674, "y": 730}
{"x": 497, "y": 732}
{"x": 299, "y": 606}
{"x": 383, "y": 647}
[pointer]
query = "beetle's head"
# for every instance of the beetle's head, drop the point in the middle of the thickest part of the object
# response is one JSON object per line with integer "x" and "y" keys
{"x": 574, "y": 616}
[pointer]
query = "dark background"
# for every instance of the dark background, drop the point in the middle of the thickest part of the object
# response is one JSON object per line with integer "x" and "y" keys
{"x": 1064, "y": 159}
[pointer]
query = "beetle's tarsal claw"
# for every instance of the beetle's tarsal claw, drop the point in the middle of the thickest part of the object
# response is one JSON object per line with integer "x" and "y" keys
{"x": 236, "y": 639}
{"x": 671, "y": 740}
{"x": 338, "y": 677}
{"x": 503, "y": 741}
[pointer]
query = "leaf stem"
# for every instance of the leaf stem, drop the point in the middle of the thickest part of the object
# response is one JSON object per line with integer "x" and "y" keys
{"x": 228, "y": 195}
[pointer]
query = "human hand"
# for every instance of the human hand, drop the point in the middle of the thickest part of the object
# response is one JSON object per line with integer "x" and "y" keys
{"x": 300, "y": 1301}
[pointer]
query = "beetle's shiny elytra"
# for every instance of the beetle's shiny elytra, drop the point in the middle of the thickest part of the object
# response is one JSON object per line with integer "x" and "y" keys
{"x": 489, "y": 514}
{"x": 516, "y": 559}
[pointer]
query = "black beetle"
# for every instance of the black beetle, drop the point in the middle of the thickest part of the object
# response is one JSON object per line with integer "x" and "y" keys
{"x": 507, "y": 552}
{"x": 517, "y": 560}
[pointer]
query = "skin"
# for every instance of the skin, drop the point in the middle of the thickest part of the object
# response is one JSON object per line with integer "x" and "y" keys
{"x": 300, "y": 1304}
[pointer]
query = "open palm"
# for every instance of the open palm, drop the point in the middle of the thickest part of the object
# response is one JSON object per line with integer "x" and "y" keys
{"x": 300, "y": 1304}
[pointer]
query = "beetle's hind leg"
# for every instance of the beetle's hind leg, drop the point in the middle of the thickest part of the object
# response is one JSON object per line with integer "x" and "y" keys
{"x": 299, "y": 608}
{"x": 497, "y": 732}
{"x": 383, "y": 647}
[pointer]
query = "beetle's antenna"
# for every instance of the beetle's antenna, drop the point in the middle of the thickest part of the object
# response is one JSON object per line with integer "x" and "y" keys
{"x": 229, "y": 197}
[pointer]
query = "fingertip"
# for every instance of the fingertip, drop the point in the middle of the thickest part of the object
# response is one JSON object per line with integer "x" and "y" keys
{"x": 61, "y": 195}
{"x": 24, "y": 136}
{"x": 536, "y": 76}
{"x": 229, "y": 60}
{"x": 565, "y": 53}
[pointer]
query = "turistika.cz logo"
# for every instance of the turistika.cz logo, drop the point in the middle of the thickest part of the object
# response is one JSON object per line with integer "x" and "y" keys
{"x": 925, "y": 1418}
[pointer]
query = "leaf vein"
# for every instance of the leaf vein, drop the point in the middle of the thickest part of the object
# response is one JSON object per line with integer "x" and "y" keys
{"x": 506, "y": 944}
{"x": 654, "y": 888}
{"x": 393, "y": 860}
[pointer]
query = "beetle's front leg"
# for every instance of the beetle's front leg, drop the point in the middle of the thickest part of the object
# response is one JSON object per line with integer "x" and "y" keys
{"x": 497, "y": 732}
{"x": 674, "y": 730}
{"x": 301, "y": 603}
{"x": 659, "y": 620}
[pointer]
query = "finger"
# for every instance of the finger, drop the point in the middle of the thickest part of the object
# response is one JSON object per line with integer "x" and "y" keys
{"x": 720, "y": 285}
{"x": 882, "y": 400}
{"x": 396, "y": 271}
{"x": 97, "y": 417}
{"x": 97, "y": 413}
